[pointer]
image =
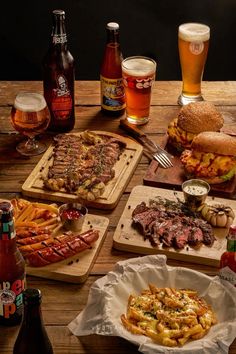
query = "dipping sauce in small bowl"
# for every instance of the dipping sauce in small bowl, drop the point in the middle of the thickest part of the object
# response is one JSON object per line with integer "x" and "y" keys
{"x": 195, "y": 192}
{"x": 72, "y": 215}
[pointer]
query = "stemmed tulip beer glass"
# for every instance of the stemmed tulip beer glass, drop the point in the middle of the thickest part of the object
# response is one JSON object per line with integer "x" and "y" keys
{"x": 193, "y": 40}
{"x": 30, "y": 116}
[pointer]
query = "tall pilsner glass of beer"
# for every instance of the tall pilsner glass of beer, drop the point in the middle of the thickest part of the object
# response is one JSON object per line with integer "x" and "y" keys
{"x": 138, "y": 75}
{"x": 193, "y": 40}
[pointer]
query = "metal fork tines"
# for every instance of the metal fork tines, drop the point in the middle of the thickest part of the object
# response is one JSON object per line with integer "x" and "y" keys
{"x": 160, "y": 157}
{"x": 163, "y": 159}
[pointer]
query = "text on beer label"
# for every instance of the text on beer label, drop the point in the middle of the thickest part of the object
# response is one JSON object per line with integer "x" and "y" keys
{"x": 140, "y": 84}
{"x": 11, "y": 297}
{"x": 59, "y": 38}
{"x": 196, "y": 48}
{"x": 112, "y": 94}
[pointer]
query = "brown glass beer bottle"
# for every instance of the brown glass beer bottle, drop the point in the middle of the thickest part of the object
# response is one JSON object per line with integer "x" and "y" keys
{"x": 12, "y": 269}
{"x": 58, "y": 77}
{"x": 112, "y": 89}
{"x": 32, "y": 337}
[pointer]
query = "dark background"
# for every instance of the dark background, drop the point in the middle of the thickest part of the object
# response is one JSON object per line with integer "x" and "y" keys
{"x": 147, "y": 27}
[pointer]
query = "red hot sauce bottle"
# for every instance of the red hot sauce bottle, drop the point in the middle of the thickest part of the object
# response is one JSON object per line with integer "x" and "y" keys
{"x": 58, "y": 77}
{"x": 112, "y": 88}
{"x": 12, "y": 269}
{"x": 228, "y": 258}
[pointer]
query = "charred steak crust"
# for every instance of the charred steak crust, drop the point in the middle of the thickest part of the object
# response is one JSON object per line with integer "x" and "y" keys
{"x": 83, "y": 164}
{"x": 171, "y": 224}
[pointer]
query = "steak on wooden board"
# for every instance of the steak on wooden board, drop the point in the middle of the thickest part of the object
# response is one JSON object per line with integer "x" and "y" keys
{"x": 171, "y": 224}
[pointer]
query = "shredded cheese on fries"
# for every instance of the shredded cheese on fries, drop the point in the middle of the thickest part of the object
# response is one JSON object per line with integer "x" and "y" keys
{"x": 168, "y": 316}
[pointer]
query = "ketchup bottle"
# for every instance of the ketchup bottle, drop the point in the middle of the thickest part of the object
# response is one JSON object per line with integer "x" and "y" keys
{"x": 228, "y": 258}
{"x": 58, "y": 77}
{"x": 12, "y": 269}
{"x": 112, "y": 89}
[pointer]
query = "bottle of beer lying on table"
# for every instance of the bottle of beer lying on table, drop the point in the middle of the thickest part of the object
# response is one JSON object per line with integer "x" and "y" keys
{"x": 12, "y": 269}
{"x": 112, "y": 89}
{"x": 58, "y": 77}
{"x": 32, "y": 337}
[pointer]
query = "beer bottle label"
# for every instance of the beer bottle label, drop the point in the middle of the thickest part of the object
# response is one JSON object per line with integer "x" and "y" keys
{"x": 228, "y": 274}
{"x": 11, "y": 298}
{"x": 112, "y": 94}
{"x": 61, "y": 101}
{"x": 59, "y": 38}
{"x": 7, "y": 229}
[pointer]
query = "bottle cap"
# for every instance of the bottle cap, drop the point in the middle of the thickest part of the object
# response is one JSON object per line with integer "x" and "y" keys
{"x": 32, "y": 296}
{"x": 113, "y": 26}
{"x": 58, "y": 12}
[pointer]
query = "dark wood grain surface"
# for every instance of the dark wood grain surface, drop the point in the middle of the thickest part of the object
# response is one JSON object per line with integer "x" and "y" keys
{"x": 63, "y": 301}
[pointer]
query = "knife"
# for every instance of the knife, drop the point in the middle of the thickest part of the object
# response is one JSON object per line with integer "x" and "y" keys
{"x": 141, "y": 137}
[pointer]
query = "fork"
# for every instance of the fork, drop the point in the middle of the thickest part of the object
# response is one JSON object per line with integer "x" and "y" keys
{"x": 152, "y": 149}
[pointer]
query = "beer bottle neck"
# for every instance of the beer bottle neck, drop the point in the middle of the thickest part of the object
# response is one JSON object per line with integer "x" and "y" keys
{"x": 33, "y": 315}
{"x": 59, "y": 37}
{"x": 8, "y": 246}
{"x": 113, "y": 36}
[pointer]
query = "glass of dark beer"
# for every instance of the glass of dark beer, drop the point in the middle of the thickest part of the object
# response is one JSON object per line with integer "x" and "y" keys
{"x": 30, "y": 116}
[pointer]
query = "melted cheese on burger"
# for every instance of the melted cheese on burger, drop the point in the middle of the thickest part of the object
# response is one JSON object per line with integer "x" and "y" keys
{"x": 204, "y": 164}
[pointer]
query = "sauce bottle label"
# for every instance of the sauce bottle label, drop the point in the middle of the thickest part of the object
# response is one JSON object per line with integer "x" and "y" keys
{"x": 61, "y": 100}
{"x": 112, "y": 94}
{"x": 228, "y": 274}
{"x": 11, "y": 298}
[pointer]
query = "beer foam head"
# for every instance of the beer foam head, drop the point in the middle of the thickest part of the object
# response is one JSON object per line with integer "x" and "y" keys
{"x": 138, "y": 66}
{"x": 113, "y": 26}
{"x": 192, "y": 32}
{"x": 29, "y": 102}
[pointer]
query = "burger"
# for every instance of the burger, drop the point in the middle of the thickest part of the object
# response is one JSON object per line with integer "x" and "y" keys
{"x": 212, "y": 157}
{"x": 193, "y": 119}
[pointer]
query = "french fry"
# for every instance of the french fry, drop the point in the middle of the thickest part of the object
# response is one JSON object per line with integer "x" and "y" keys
{"x": 168, "y": 316}
{"x": 25, "y": 224}
{"x": 52, "y": 208}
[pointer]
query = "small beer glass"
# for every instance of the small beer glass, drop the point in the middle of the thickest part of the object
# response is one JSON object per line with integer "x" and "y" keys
{"x": 30, "y": 116}
{"x": 138, "y": 76}
{"x": 193, "y": 41}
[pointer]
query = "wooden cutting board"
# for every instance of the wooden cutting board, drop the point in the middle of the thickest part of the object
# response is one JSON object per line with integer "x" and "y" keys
{"x": 127, "y": 238}
{"x": 75, "y": 269}
{"x": 173, "y": 177}
{"x": 124, "y": 168}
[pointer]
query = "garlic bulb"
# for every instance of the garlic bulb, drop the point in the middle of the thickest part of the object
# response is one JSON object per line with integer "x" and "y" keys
{"x": 218, "y": 215}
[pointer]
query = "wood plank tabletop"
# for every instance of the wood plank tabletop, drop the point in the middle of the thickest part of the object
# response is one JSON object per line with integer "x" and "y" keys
{"x": 62, "y": 302}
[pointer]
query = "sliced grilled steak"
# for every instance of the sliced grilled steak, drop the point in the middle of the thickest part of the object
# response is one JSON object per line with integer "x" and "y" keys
{"x": 160, "y": 223}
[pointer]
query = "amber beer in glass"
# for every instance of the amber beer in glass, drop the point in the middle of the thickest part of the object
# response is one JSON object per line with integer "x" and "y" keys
{"x": 193, "y": 40}
{"x": 138, "y": 76}
{"x": 30, "y": 116}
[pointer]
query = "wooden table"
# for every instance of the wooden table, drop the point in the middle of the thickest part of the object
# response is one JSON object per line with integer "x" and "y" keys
{"x": 63, "y": 301}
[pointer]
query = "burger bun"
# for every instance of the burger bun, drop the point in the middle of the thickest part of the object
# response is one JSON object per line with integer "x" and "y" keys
{"x": 215, "y": 142}
{"x": 197, "y": 117}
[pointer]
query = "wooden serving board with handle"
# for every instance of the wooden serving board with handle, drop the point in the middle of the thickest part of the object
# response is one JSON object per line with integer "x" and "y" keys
{"x": 75, "y": 269}
{"x": 173, "y": 177}
{"x": 128, "y": 238}
{"x": 124, "y": 168}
